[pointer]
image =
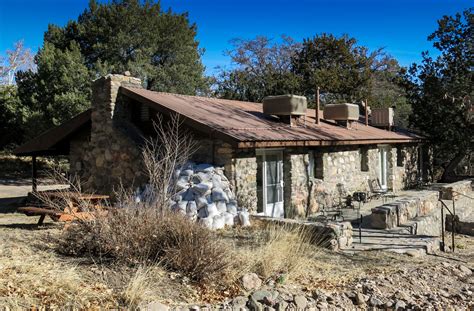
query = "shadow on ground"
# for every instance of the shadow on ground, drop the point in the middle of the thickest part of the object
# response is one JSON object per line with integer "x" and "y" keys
{"x": 29, "y": 226}
{"x": 9, "y": 205}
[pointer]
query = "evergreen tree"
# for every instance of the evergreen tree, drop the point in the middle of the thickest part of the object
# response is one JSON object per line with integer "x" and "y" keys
{"x": 340, "y": 67}
{"x": 261, "y": 68}
{"x": 123, "y": 35}
{"x": 441, "y": 91}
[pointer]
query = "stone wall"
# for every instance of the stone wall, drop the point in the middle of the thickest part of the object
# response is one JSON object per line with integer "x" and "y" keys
{"x": 407, "y": 209}
{"x": 240, "y": 167}
{"x": 331, "y": 235}
{"x": 295, "y": 179}
{"x": 341, "y": 166}
{"x": 112, "y": 156}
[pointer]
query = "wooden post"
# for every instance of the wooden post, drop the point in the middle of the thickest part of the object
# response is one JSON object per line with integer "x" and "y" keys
{"x": 317, "y": 106}
{"x": 366, "y": 113}
{"x": 34, "y": 173}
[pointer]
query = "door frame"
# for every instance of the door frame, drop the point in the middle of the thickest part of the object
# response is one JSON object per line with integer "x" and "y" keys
{"x": 383, "y": 166}
{"x": 263, "y": 153}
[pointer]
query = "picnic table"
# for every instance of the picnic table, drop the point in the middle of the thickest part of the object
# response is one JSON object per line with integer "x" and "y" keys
{"x": 73, "y": 206}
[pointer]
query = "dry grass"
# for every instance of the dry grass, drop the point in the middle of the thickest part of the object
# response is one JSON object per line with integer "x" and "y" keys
{"x": 31, "y": 275}
{"x": 277, "y": 252}
{"x": 148, "y": 236}
{"x": 139, "y": 288}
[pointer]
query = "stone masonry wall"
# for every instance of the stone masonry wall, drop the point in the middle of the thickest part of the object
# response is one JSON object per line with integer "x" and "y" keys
{"x": 111, "y": 157}
{"x": 341, "y": 165}
{"x": 240, "y": 167}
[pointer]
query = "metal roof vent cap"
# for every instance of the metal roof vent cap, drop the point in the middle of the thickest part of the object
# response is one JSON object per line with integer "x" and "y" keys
{"x": 342, "y": 113}
{"x": 288, "y": 107}
{"x": 285, "y": 105}
{"x": 382, "y": 117}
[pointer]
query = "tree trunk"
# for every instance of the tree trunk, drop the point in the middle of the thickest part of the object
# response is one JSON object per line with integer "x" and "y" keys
{"x": 449, "y": 173}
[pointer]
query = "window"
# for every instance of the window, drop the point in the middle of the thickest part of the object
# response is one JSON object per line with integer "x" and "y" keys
{"x": 400, "y": 156}
{"x": 316, "y": 165}
{"x": 364, "y": 159}
{"x": 144, "y": 113}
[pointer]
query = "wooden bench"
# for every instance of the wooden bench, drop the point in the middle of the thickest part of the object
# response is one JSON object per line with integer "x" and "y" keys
{"x": 39, "y": 211}
{"x": 58, "y": 216}
{"x": 73, "y": 209}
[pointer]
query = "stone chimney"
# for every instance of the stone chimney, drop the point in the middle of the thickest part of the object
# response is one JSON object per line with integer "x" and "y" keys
{"x": 104, "y": 100}
{"x": 113, "y": 157}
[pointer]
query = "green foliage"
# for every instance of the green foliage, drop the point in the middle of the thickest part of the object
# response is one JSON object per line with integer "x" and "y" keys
{"x": 262, "y": 68}
{"x": 13, "y": 115}
{"x": 59, "y": 89}
{"x": 343, "y": 70}
{"x": 441, "y": 91}
{"x": 158, "y": 47}
{"x": 340, "y": 67}
{"x": 386, "y": 91}
{"x": 124, "y": 35}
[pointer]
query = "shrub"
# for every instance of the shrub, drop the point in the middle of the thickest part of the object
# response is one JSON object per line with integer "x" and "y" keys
{"x": 143, "y": 235}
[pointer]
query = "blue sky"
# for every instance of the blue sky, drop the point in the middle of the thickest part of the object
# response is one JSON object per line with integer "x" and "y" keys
{"x": 400, "y": 26}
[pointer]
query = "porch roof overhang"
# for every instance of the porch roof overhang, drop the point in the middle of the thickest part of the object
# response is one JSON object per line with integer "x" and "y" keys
{"x": 55, "y": 141}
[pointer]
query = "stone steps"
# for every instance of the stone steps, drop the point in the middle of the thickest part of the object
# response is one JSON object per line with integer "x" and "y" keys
{"x": 398, "y": 240}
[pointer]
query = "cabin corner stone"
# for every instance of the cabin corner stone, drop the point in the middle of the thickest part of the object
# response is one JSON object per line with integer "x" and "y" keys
{"x": 109, "y": 157}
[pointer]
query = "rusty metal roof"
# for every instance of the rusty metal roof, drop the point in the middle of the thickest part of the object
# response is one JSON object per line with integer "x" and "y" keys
{"x": 56, "y": 140}
{"x": 245, "y": 124}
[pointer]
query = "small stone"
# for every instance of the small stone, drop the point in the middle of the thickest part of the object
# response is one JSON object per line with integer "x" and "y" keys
{"x": 255, "y": 305}
{"x": 281, "y": 306}
{"x": 268, "y": 300}
{"x": 239, "y": 302}
{"x": 374, "y": 301}
{"x": 464, "y": 269}
{"x": 156, "y": 306}
{"x": 251, "y": 281}
{"x": 400, "y": 305}
{"x": 300, "y": 301}
{"x": 359, "y": 299}
{"x": 388, "y": 304}
{"x": 194, "y": 308}
{"x": 414, "y": 253}
{"x": 260, "y": 295}
{"x": 319, "y": 295}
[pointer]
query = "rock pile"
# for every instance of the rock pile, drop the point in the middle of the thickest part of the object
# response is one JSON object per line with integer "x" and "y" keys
{"x": 406, "y": 289}
{"x": 204, "y": 194}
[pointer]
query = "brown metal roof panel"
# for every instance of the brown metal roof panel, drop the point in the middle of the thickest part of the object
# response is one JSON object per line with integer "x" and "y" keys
{"x": 245, "y": 121}
{"x": 45, "y": 143}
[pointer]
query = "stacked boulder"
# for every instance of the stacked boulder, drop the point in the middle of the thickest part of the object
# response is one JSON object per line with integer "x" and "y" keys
{"x": 203, "y": 194}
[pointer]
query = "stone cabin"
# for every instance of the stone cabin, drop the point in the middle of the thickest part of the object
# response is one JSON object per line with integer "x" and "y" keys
{"x": 275, "y": 168}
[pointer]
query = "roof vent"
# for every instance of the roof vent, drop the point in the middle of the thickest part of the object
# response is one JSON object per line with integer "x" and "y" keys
{"x": 341, "y": 112}
{"x": 382, "y": 117}
{"x": 285, "y": 105}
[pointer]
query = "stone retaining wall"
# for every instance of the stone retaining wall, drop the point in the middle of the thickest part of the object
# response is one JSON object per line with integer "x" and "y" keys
{"x": 400, "y": 212}
{"x": 331, "y": 235}
{"x": 457, "y": 191}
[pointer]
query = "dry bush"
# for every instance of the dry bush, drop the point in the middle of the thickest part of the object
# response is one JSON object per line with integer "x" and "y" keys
{"x": 162, "y": 155}
{"x": 143, "y": 235}
{"x": 146, "y": 231}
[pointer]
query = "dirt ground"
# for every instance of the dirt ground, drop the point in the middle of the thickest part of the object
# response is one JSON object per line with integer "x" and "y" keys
{"x": 32, "y": 273}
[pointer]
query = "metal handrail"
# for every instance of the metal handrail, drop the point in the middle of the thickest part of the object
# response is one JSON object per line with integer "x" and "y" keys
{"x": 453, "y": 228}
{"x": 462, "y": 194}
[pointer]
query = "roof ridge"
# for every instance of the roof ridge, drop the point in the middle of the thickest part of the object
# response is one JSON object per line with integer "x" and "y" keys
{"x": 192, "y": 96}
